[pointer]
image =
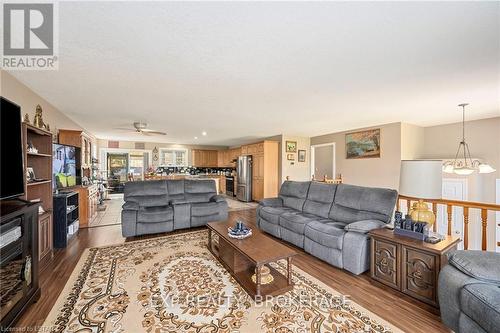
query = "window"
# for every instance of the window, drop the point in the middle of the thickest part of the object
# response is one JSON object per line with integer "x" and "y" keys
{"x": 174, "y": 157}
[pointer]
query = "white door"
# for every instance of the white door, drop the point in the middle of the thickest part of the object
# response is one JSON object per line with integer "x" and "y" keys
{"x": 453, "y": 189}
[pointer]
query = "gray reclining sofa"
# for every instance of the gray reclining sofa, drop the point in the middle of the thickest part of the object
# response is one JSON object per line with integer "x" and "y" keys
{"x": 469, "y": 292}
{"x": 328, "y": 221}
{"x": 165, "y": 205}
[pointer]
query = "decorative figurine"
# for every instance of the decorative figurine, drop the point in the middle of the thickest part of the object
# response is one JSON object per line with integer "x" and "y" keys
{"x": 47, "y": 127}
{"x": 38, "y": 120}
{"x": 26, "y": 119}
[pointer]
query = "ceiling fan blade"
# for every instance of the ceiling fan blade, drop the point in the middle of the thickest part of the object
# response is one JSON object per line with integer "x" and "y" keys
{"x": 125, "y": 129}
{"x": 149, "y": 131}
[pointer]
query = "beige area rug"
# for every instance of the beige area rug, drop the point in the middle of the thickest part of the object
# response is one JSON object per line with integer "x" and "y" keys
{"x": 174, "y": 284}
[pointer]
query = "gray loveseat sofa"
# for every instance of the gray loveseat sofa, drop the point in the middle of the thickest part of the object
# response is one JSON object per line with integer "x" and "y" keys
{"x": 469, "y": 292}
{"x": 166, "y": 205}
{"x": 328, "y": 221}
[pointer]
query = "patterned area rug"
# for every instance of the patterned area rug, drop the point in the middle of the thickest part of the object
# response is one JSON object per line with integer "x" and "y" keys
{"x": 174, "y": 284}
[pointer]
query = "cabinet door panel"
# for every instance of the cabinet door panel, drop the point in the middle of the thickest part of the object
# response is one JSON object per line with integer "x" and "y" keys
{"x": 385, "y": 265}
{"x": 44, "y": 237}
{"x": 419, "y": 275}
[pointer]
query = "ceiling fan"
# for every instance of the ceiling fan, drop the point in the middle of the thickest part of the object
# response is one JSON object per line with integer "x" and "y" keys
{"x": 140, "y": 127}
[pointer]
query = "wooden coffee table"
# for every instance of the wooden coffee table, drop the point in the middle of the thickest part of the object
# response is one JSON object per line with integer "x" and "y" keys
{"x": 246, "y": 257}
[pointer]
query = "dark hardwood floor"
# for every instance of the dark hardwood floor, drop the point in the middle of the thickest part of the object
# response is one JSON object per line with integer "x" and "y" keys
{"x": 402, "y": 311}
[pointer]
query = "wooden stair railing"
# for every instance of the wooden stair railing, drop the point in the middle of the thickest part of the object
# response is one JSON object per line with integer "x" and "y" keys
{"x": 466, "y": 205}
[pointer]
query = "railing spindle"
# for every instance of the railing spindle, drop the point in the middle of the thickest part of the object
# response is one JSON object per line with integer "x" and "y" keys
{"x": 466, "y": 228}
{"x": 434, "y": 210}
{"x": 449, "y": 210}
{"x": 484, "y": 222}
{"x": 408, "y": 206}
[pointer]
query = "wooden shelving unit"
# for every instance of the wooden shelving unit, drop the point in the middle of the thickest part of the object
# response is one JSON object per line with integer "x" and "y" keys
{"x": 41, "y": 162}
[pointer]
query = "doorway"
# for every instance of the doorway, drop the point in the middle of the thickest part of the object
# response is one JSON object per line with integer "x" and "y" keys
{"x": 323, "y": 161}
{"x": 453, "y": 189}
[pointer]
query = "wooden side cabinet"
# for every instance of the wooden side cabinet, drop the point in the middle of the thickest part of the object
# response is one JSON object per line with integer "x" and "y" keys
{"x": 45, "y": 236}
{"x": 409, "y": 265}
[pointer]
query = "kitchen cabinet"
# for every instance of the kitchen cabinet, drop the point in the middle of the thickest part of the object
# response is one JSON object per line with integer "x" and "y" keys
{"x": 226, "y": 157}
{"x": 265, "y": 168}
{"x": 88, "y": 199}
{"x": 222, "y": 184}
{"x": 204, "y": 158}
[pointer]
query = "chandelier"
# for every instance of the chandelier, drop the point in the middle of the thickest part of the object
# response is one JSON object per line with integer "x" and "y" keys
{"x": 463, "y": 164}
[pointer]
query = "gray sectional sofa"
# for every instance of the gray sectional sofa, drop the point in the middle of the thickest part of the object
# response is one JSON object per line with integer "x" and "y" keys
{"x": 166, "y": 205}
{"x": 469, "y": 292}
{"x": 328, "y": 221}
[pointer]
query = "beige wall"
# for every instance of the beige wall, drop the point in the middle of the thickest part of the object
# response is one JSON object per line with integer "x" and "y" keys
{"x": 17, "y": 92}
{"x": 412, "y": 141}
{"x": 298, "y": 171}
{"x": 377, "y": 172}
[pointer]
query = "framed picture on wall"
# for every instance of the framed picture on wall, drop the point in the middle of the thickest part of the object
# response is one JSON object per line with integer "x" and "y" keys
{"x": 363, "y": 144}
{"x": 301, "y": 156}
{"x": 290, "y": 157}
{"x": 291, "y": 146}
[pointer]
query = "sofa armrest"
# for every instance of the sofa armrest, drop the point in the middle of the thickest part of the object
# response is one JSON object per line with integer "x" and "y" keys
{"x": 271, "y": 202}
{"x": 364, "y": 226}
{"x": 481, "y": 265}
{"x": 130, "y": 205}
{"x": 217, "y": 198}
{"x": 178, "y": 201}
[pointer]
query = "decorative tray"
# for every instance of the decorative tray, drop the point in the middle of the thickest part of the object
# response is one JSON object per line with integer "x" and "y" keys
{"x": 239, "y": 234}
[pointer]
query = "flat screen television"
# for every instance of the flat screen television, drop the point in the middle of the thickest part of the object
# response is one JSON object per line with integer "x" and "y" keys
{"x": 11, "y": 151}
{"x": 65, "y": 166}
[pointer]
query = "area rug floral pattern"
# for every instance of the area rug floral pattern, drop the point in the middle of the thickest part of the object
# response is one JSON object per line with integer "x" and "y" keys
{"x": 174, "y": 284}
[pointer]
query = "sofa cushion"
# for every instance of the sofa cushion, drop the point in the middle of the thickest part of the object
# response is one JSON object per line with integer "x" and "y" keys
{"x": 481, "y": 302}
{"x": 294, "y": 194}
{"x": 199, "y": 190}
{"x": 155, "y": 214}
{"x": 320, "y": 199}
{"x": 356, "y": 203}
{"x": 175, "y": 188}
{"x": 329, "y": 234}
{"x": 296, "y": 222}
{"x": 481, "y": 265}
{"x": 272, "y": 214}
{"x": 147, "y": 194}
{"x": 364, "y": 226}
{"x": 205, "y": 208}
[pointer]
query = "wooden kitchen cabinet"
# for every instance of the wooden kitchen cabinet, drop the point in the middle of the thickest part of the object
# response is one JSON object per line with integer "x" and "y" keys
{"x": 264, "y": 168}
{"x": 88, "y": 199}
{"x": 204, "y": 158}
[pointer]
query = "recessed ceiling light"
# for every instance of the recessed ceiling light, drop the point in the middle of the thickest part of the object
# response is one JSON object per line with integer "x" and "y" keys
{"x": 204, "y": 133}
{"x": 196, "y": 138}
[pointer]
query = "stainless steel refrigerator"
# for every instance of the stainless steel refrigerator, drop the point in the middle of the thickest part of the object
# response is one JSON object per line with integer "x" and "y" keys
{"x": 244, "y": 178}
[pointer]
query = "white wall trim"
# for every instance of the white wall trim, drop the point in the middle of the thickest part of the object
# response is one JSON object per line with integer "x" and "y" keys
{"x": 313, "y": 147}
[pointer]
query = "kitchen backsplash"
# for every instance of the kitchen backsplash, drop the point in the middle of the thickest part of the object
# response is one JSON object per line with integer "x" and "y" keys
{"x": 194, "y": 170}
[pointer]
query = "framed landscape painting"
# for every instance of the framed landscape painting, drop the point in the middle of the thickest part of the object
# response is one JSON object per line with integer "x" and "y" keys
{"x": 364, "y": 144}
